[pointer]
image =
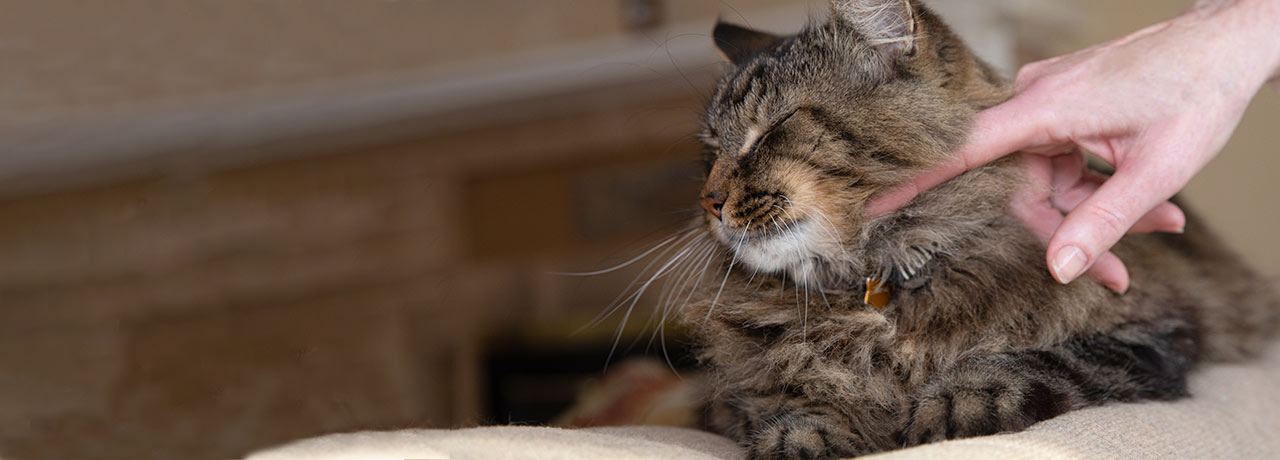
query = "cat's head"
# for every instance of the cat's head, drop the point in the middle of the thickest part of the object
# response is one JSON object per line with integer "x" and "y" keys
{"x": 806, "y": 128}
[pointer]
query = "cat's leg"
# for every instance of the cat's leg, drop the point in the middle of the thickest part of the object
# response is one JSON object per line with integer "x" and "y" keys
{"x": 790, "y": 425}
{"x": 813, "y": 432}
{"x": 1010, "y": 391}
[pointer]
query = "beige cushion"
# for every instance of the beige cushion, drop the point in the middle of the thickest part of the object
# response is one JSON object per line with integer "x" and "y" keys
{"x": 1234, "y": 414}
{"x": 515, "y": 442}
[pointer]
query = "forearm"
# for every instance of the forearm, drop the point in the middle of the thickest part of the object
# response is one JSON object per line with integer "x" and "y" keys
{"x": 1266, "y": 17}
{"x": 1272, "y": 11}
{"x": 1253, "y": 27}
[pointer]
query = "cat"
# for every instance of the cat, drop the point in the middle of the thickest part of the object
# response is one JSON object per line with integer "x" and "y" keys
{"x": 976, "y": 337}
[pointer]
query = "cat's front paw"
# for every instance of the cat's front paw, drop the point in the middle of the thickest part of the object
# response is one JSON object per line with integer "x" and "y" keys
{"x": 911, "y": 261}
{"x": 804, "y": 437}
{"x": 969, "y": 409}
{"x": 907, "y": 265}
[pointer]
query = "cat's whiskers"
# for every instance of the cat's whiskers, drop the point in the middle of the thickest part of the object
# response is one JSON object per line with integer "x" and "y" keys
{"x": 633, "y": 260}
{"x": 635, "y": 297}
{"x": 817, "y": 279}
{"x": 679, "y": 277}
{"x": 801, "y": 247}
{"x": 710, "y": 256}
{"x": 665, "y": 309}
{"x": 732, "y": 261}
{"x": 622, "y": 297}
{"x": 781, "y": 234}
{"x": 705, "y": 260}
{"x": 789, "y": 233}
{"x": 680, "y": 274}
{"x": 672, "y": 265}
{"x": 754, "y": 270}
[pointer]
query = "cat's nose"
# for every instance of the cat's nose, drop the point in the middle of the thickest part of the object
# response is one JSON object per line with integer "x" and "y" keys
{"x": 713, "y": 202}
{"x": 712, "y": 197}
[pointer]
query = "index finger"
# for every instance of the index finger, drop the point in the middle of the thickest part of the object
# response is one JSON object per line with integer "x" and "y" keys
{"x": 996, "y": 132}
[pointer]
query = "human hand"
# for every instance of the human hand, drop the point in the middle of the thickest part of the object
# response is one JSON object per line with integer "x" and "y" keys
{"x": 1157, "y": 104}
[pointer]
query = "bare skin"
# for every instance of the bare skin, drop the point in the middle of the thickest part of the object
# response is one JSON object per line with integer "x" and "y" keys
{"x": 1157, "y": 104}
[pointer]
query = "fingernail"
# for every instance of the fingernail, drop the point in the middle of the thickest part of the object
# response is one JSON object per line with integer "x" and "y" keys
{"x": 1116, "y": 287}
{"x": 1068, "y": 264}
{"x": 1181, "y": 230}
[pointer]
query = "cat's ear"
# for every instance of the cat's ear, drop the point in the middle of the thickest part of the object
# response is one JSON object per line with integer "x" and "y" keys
{"x": 890, "y": 26}
{"x": 740, "y": 43}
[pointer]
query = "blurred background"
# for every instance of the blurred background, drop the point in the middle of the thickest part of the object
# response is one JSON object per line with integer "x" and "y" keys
{"x": 229, "y": 224}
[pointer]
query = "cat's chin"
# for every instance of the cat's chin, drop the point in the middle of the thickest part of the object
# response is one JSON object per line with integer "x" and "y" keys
{"x": 803, "y": 253}
{"x": 773, "y": 255}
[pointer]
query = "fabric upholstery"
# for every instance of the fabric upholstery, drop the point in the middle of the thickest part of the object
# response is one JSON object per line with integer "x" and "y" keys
{"x": 1234, "y": 413}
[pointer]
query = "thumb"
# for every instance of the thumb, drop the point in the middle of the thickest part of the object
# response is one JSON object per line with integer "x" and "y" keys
{"x": 996, "y": 132}
{"x": 1097, "y": 224}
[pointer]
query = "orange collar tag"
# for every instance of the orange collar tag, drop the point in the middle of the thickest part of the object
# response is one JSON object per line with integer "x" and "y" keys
{"x": 877, "y": 293}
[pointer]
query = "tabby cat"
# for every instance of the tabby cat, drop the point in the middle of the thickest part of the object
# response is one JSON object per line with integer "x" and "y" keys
{"x": 976, "y": 337}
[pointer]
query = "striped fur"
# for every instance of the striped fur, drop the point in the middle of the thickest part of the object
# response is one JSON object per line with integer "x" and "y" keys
{"x": 977, "y": 338}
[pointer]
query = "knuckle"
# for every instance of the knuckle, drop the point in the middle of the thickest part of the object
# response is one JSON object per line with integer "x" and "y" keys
{"x": 1025, "y": 78}
{"x": 1030, "y": 71}
{"x": 1034, "y": 75}
{"x": 1024, "y": 74}
{"x": 1113, "y": 222}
